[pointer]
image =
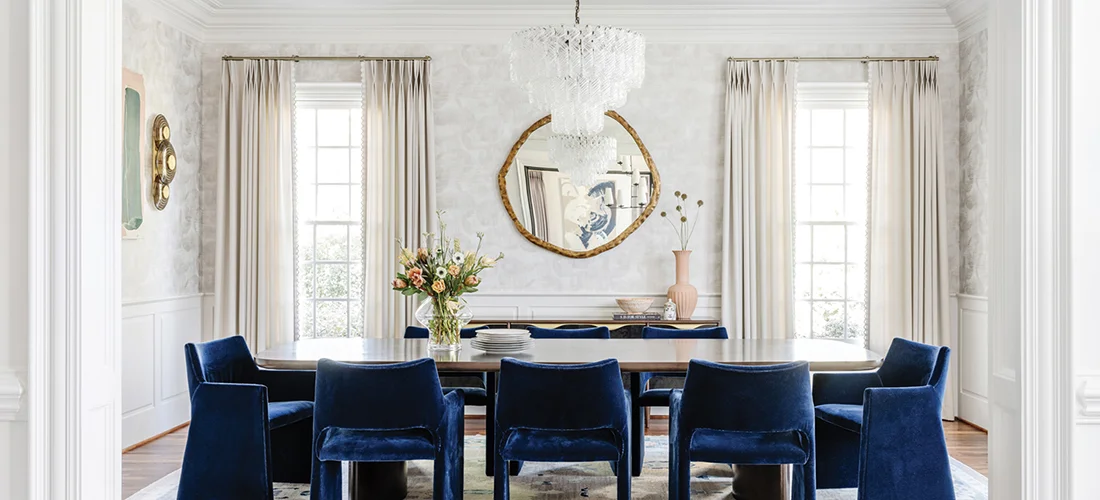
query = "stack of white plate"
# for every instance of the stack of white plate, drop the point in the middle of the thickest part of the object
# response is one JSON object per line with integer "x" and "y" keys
{"x": 501, "y": 340}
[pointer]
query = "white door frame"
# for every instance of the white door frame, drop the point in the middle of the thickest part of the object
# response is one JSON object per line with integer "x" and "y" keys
{"x": 74, "y": 238}
{"x": 1031, "y": 369}
{"x": 73, "y": 379}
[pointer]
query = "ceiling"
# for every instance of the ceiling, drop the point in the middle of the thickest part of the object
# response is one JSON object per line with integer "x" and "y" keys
{"x": 484, "y": 21}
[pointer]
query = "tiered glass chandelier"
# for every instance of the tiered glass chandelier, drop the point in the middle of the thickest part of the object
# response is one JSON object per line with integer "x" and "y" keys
{"x": 576, "y": 73}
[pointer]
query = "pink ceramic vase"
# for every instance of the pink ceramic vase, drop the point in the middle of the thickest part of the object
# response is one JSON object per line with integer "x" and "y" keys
{"x": 682, "y": 293}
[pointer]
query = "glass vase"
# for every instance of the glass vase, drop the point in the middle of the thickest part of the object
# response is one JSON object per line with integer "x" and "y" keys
{"x": 444, "y": 319}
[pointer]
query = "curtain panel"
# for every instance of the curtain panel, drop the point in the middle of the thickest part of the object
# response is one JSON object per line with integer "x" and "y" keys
{"x": 908, "y": 271}
{"x": 398, "y": 183}
{"x": 757, "y": 282}
{"x": 253, "y": 262}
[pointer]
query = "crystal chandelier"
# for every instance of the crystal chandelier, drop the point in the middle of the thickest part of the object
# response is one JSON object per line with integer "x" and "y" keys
{"x": 576, "y": 73}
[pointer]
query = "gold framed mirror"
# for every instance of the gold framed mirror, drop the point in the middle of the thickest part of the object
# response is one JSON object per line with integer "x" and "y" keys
{"x": 551, "y": 212}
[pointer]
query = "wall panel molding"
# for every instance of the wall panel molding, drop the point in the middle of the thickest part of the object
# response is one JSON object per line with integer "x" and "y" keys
{"x": 11, "y": 395}
{"x": 972, "y": 353}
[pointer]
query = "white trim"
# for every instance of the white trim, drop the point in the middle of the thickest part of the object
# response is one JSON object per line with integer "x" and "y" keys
{"x": 969, "y": 16}
{"x": 714, "y": 22}
{"x": 846, "y": 95}
{"x": 309, "y": 95}
{"x": 11, "y": 394}
{"x": 138, "y": 302}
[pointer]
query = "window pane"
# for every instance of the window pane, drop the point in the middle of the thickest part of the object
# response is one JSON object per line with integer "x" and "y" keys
{"x": 305, "y": 200}
{"x": 827, "y": 127}
{"x": 802, "y": 202}
{"x": 332, "y": 281}
{"x": 305, "y": 128}
{"x": 855, "y": 166}
{"x": 857, "y": 320}
{"x": 356, "y": 159}
{"x": 356, "y": 127}
{"x": 333, "y": 203}
{"x": 827, "y": 166}
{"x": 332, "y": 243}
{"x": 333, "y": 165}
{"x": 802, "y": 315}
{"x": 802, "y": 285}
{"x": 802, "y": 243}
{"x": 856, "y": 129}
{"x": 828, "y": 281}
{"x": 857, "y": 283}
{"x": 857, "y": 245}
{"x": 856, "y": 201}
{"x": 355, "y": 317}
{"x": 332, "y": 127}
{"x": 802, "y": 129}
{"x": 305, "y": 280}
{"x": 305, "y": 243}
{"x": 826, "y": 203}
{"x": 828, "y": 244}
{"x": 332, "y": 319}
{"x": 355, "y": 289}
{"x": 306, "y": 165}
{"x": 828, "y": 318}
{"x": 305, "y": 319}
{"x": 802, "y": 166}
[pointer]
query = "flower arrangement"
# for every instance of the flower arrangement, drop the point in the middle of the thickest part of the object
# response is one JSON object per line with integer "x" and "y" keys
{"x": 684, "y": 229}
{"x": 442, "y": 273}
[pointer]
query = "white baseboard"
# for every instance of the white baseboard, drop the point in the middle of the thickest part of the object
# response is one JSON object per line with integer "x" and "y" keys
{"x": 154, "y": 380}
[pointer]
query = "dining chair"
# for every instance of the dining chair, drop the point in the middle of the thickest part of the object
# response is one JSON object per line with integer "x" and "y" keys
{"x": 881, "y": 431}
{"x": 596, "y": 332}
{"x": 561, "y": 413}
{"x": 653, "y": 389}
{"x": 385, "y": 413}
{"x": 744, "y": 415}
{"x": 259, "y": 420}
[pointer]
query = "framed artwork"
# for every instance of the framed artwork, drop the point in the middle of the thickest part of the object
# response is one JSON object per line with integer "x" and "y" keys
{"x": 133, "y": 152}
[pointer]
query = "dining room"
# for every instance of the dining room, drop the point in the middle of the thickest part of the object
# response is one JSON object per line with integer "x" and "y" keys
{"x": 405, "y": 252}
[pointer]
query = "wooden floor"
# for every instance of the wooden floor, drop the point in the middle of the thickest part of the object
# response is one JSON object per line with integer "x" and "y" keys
{"x": 143, "y": 466}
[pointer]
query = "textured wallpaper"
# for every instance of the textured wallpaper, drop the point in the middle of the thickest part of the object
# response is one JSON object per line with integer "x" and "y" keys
{"x": 163, "y": 262}
{"x": 678, "y": 113}
{"x": 974, "y": 189}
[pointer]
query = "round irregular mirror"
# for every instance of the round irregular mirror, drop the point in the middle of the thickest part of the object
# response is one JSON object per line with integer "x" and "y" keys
{"x": 579, "y": 222}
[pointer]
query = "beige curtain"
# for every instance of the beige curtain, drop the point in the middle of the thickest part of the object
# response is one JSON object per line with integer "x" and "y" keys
{"x": 757, "y": 288}
{"x": 398, "y": 183}
{"x": 253, "y": 265}
{"x": 908, "y": 221}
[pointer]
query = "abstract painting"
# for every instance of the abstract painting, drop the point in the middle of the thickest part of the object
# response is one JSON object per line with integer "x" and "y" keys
{"x": 133, "y": 152}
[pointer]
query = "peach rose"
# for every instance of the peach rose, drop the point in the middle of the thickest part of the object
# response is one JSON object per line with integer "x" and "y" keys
{"x": 439, "y": 286}
{"x": 416, "y": 276}
{"x": 400, "y": 284}
{"x": 422, "y": 254}
{"x": 472, "y": 281}
{"x": 453, "y": 270}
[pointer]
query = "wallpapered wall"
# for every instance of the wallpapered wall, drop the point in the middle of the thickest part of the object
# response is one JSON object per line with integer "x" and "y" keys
{"x": 163, "y": 262}
{"x": 975, "y": 185}
{"x": 678, "y": 113}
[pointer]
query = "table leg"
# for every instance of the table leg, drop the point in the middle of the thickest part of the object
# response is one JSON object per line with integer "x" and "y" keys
{"x": 761, "y": 482}
{"x": 378, "y": 480}
{"x": 637, "y": 426}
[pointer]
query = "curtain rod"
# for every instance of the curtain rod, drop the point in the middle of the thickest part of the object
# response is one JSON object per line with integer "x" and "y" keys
{"x": 325, "y": 58}
{"x": 860, "y": 59}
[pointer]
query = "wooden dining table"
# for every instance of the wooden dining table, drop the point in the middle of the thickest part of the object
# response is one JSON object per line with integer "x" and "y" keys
{"x": 388, "y": 480}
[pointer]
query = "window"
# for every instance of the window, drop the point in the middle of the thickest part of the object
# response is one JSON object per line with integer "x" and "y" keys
{"x": 328, "y": 198}
{"x": 830, "y": 198}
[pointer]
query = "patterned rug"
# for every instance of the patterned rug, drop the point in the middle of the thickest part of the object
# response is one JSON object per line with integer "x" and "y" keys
{"x": 583, "y": 480}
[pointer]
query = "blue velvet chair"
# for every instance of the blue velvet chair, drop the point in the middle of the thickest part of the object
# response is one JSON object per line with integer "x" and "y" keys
{"x": 262, "y": 417}
{"x": 596, "y": 332}
{"x": 562, "y": 413}
{"x": 745, "y": 415}
{"x": 385, "y": 413}
{"x": 881, "y": 431}
{"x": 642, "y": 395}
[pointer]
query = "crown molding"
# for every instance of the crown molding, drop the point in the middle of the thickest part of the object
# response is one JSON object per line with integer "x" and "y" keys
{"x": 213, "y": 21}
{"x": 190, "y": 17}
{"x": 969, "y": 16}
{"x": 11, "y": 394}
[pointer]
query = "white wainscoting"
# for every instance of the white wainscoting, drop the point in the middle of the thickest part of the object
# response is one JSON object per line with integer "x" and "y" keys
{"x": 154, "y": 380}
{"x": 566, "y": 305}
{"x": 973, "y": 360}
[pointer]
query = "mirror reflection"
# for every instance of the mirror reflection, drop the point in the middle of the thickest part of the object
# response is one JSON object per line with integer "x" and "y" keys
{"x": 574, "y": 220}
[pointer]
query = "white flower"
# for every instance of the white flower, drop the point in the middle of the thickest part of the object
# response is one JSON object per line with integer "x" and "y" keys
{"x": 459, "y": 259}
{"x": 487, "y": 262}
{"x": 440, "y": 273}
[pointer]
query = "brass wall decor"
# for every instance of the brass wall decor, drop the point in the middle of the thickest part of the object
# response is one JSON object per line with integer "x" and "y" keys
{"x": 164, "y": 161}
{"x": 579, "y": 223}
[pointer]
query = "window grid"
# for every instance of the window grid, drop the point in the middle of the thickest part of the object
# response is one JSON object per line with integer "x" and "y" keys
{"x": 814, "y": 303}
{"x": 316, "y": 318}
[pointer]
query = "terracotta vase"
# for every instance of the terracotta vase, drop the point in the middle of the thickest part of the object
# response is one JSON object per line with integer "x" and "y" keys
{"x": 683, "y": 294}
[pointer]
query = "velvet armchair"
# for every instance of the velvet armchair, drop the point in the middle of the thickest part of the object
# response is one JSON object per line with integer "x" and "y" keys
{"x": 880, "y": 431}
{"x": 745, "y": 415}
{"x": 385, "y": 413}
{"x": 597, "y": 332}
{"x": 562, "y": 413}
{"x": 654, "y": 389}
{"x": 224, "y": 381}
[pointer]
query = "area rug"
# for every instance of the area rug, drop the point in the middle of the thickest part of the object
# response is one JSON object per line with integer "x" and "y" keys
{"x": 583, "y": 480}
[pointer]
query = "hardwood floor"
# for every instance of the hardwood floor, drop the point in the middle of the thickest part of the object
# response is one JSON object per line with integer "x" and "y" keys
{"x": 143, "y": 466}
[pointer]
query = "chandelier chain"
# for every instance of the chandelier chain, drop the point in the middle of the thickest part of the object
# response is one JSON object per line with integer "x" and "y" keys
{"x": 577, "y": 12}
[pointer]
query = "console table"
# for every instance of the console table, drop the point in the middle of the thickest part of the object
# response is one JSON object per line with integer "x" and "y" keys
{"x": 612, "y": 324}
